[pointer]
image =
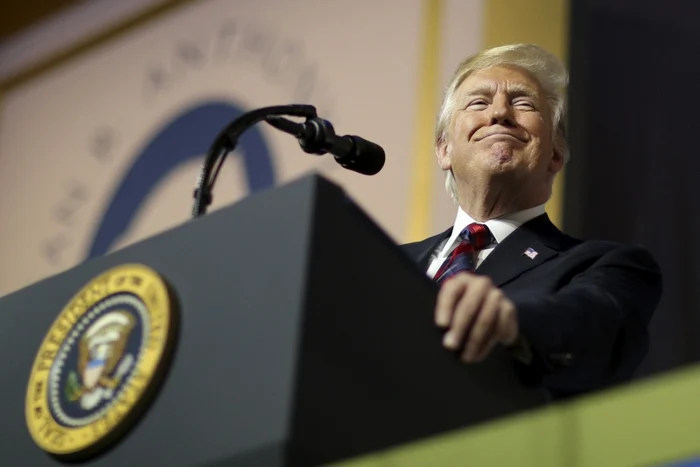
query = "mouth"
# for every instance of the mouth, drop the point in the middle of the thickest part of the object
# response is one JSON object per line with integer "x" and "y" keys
{"x": 504, "y": 136}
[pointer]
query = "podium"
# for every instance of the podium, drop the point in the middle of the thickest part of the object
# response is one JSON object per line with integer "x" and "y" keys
{"x": 305, "y": 336}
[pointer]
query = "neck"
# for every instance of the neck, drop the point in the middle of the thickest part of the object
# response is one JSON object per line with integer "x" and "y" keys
{"x": 490, "y": 202}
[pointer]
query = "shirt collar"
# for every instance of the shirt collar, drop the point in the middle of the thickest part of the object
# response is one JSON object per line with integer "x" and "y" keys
{"x": 500, "y": 227}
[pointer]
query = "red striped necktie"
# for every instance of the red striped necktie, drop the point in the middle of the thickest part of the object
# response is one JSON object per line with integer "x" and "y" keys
{"x": 474, "y": 237}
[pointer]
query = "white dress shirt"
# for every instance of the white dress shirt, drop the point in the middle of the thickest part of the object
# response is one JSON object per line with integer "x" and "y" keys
{"x": 500, "y": 228}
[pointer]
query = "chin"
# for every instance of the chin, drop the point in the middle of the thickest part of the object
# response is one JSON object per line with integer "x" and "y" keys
{"x": 499, "y": 162}
{"x": 501, "y": 151}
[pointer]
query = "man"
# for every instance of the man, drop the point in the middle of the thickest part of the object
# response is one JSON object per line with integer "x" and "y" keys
{"x": 573, "y": 313}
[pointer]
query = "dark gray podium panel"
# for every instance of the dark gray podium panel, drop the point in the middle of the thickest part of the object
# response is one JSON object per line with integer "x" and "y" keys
{"x": 306, "y": 337}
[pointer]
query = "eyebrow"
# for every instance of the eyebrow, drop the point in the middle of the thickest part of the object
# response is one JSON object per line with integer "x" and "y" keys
{"x": 515, "y": 90}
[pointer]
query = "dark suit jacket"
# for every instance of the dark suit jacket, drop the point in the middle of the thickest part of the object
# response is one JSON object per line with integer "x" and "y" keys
{"x": 583, "y": 306}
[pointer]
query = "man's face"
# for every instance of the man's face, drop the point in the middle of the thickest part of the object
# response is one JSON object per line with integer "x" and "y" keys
{"x": 501, "y": 128}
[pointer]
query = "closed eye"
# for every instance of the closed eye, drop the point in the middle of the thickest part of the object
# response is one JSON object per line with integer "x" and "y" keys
{"x": 477, "y": 104}
{"x": 524, "y": 104}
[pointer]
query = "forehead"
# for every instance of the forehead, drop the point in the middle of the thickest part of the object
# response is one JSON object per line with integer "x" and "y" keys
{"x": 500, "y": 78}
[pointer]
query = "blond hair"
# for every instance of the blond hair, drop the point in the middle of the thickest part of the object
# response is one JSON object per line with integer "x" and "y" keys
{"x": 547, "y": 69}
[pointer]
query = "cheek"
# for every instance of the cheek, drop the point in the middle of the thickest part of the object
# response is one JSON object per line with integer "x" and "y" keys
{"x": 539, "y": 130}
{"x": 545, "y": 136}
{"x": 534, "y": 123}
{"x": 465, "y": 126}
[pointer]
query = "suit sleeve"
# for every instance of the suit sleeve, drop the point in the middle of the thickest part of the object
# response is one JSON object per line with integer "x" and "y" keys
{"x": 593, "y": 331}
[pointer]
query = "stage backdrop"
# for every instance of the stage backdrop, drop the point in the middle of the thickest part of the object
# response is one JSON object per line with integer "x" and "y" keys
{"x": 637, "y": 182}
{"x": 103, "y": 149}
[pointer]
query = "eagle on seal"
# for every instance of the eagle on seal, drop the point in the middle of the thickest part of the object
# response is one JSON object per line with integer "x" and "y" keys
{"x": 100, "y": 350}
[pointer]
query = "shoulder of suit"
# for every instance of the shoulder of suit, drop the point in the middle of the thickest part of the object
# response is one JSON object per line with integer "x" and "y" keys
{"x": 567, "y": 243}
{"x": 610, "y": 249}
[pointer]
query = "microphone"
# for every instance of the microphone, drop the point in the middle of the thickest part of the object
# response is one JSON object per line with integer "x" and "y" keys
{"x": 317, "y": 136}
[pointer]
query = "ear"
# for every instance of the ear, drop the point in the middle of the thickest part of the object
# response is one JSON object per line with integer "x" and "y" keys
{"x": 556, "y": 163}
{"x": 442, "y": 151}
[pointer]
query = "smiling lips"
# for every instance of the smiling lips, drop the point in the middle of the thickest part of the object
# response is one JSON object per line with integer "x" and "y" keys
{"x": 501, "y": 134}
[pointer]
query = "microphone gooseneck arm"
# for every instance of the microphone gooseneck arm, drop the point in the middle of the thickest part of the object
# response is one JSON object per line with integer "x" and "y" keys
{"x": 226, "y": 142}
{"x": 315, "y": 136}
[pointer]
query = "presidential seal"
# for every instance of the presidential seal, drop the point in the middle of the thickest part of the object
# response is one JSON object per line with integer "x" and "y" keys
{"x": 100, "y": 362}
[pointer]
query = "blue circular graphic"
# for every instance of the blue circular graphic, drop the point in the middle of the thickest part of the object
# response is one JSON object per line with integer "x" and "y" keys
{"x": 186, "y": 137}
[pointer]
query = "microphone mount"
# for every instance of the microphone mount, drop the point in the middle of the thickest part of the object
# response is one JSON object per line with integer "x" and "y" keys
{"x": 315, "y": 136}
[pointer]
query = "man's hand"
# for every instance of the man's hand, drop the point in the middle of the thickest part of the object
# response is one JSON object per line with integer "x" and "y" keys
{"x": 476, "y": 313}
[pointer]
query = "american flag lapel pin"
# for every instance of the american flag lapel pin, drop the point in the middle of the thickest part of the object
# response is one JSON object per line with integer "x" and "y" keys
{"x": 530, "y": 253}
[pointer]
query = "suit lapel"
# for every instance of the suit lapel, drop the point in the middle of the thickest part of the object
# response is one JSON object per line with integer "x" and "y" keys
{"x": 428, "y": 246}
{"x": 527, "y": 247}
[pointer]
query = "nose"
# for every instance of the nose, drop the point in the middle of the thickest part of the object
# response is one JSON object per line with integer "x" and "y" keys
{"x": 501, "y": 112}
